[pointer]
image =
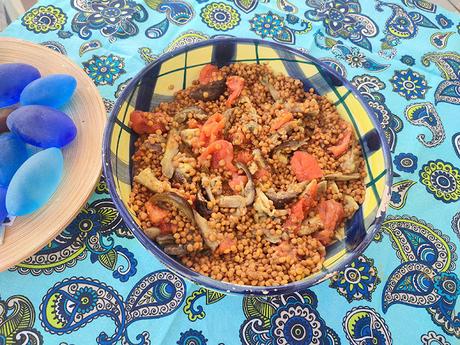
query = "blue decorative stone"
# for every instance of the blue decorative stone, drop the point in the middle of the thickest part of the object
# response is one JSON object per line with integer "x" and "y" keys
{"x": 53, "y": 90}
{"x": 14, "y": 77}
{"x": 13, "y": 153}
{"x": 42, "y": 126}
{"x": 3, "y": 212}
{"x": 35, "y": 182}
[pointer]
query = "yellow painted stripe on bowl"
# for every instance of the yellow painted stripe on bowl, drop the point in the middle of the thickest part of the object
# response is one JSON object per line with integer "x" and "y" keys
{"x": 332, "y": 97}
{"x": 163, "y": 84}
{"x": 308, "y": 70}
{"x": 376, "y": 162}
{"x": 124, "y": 191}
{"x": 330, "y": 261}
{"x": 370, "y": 202}
{"x": 192, "y": 74}
{"x": 114, "y": 137}
{"x": 199, "y": 56}
{"x": 172, "y": 64}
{"x": 360, "y": 114}
{"x": 269, "y": 53}
{"x": 245, "y": 51}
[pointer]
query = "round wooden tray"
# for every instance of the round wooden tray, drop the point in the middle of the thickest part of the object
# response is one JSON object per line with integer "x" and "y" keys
{"x": 82, "y": 158}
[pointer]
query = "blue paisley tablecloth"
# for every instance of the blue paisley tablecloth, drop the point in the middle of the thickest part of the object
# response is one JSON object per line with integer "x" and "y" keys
{"x": 95, "y": 284}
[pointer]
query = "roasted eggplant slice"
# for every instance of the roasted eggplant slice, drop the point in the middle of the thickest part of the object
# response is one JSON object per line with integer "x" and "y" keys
{"x": 209, "y": 92}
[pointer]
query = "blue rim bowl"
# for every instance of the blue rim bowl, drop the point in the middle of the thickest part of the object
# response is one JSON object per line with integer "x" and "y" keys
{"x": 142, "y": 93}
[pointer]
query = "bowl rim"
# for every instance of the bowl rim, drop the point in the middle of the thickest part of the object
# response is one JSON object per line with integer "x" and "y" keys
{"x": 206, "y": 281}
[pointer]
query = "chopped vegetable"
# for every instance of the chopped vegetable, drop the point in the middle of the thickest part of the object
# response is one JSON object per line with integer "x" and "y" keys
{"x": 331, "y": 214}
{"x": 305, "y": 166}
{"x": 285, "y": 250}
{"x": 212, "y": 129}
{"x": 262, "y": 174}
{"x": 208, "y": 92}
{"x": 226, "y": 245}
{"x": 147, "y": 178}
{"x": 235, "y": 85}
{"x": 156, "y": 214}
{"x": 166, "y": 228}
{"x": 141, "y": 125}
{"x": 344, "y": 144}
{"x": 220, "y": 150}
{"x": 238, "y": 182}
{"x": 192, "y": 124}
{"x": 244, "y": 157}
{"x": 281, "y": 120}
{"x": 171, "y": 150}
{"x": 206, "y": 73}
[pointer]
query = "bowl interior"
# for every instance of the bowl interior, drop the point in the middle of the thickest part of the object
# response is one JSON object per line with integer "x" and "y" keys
{"x": 158, "y": 83}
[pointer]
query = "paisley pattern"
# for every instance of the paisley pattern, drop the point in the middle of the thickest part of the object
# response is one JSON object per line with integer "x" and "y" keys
{"x": 195, "y": 312}
{"x": 426, "y": 277}
{"x": 285, "y": 320}
{"x": 442, "y": 180}
{"x": 431, "y": 338}
{"x": 370, "y": 87}
{"x": 352, "y": 56}
{"x": 343, "y": 18}
{"x": 111, "y": 18}
{"x": 409, "y": 84}
{"x": 425, "y": 114}
{"x": 90, "y": 234}
{"x": 439, "y": 39}
{"x": 358, "y": 280}
{"x": 405, "y": 162}
{"x": 96, "y": 283}
{"x": 272, "y": 25}
{"x": 104, "y": 70}
{"x": 89, "y": 46}
{"x": 177, "y": 12}
{"x": 43, "y": 19}
{"x": 192, "y": 337}
{"x": 363, "y": 325}
{"x": 17, "y": 321}
{"x": 56, "y": 46}
{"x": 456, "y": 224}
{"x": 399, "y": 193}
{"x": 73, "y": 303}
{"x": 401, "y": 25}
{"x": 220, "y": 16}
{"x": 449, "y": 66}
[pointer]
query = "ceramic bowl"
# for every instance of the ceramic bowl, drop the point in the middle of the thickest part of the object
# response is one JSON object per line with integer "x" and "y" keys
{"x": 179, "y": 68}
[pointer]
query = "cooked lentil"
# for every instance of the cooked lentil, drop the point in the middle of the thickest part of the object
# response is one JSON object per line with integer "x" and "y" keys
{"x": 264, "y": 176}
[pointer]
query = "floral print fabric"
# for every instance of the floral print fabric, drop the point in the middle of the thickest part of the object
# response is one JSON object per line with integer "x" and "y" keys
{"x": 95, "y": 283}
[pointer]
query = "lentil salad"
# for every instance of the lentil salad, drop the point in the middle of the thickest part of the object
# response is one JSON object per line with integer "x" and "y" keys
{"x": 245, "y": 177}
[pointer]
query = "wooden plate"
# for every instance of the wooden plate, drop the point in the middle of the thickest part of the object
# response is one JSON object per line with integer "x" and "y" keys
{"x": 82, "y": 158}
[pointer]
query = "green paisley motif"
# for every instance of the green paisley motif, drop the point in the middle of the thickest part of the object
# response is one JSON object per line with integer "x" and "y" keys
{"x": 43, "y": 19}
{"x": 197, "y": 312}
{"x": 220, "y": 16}
{"x": 17, "y": 318}
{"x": 442, "y": 180}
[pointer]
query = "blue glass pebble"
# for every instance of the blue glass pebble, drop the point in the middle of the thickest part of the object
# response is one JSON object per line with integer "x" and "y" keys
{"x": 35, "y": 182}
{"x": 14, "y": 77}
{"x": 42, "y": 126}
{"x": 13, "y": 153}
{"x": 3, "y": 212}
{"x": 53, "y": 90}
